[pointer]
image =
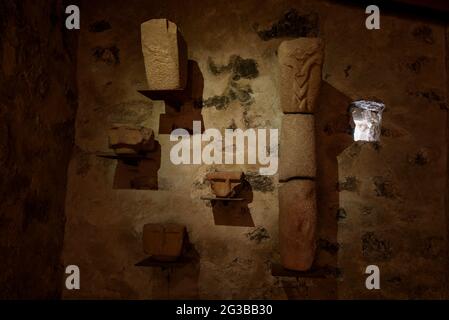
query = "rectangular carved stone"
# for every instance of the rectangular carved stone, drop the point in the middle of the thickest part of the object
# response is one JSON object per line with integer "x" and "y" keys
{"x": 297, "y": 146}
{"x": 300, "y": 63}
{"x": 165, "y": 55}
{"x": 163, "y": 242}
{"x": 129, "y": 139}
{"x": 225, "y": 184}
{"x": 297, "y": 224}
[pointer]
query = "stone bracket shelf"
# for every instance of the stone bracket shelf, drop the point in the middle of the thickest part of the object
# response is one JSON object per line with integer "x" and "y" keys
{"x": 221, "y": 199}
{"x": 112, "y": 155}
{"x": 153, "y": 263}
{"x": 277, "y": 270}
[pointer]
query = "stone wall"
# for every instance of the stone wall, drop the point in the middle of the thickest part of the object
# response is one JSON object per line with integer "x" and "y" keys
{"x": 38, "y": 100}
{"x": 379, "y": 203}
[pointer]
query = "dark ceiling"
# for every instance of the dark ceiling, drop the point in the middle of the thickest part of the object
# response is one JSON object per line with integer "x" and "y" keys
{"x": 440, "y": 5}
{"x": 427, "y": 9}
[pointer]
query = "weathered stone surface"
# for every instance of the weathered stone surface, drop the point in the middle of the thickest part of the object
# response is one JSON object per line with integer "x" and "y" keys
{"x": 163, "y": 242}
{"x": 105, "y": 251}
{"x": 225, "y": 184}
{"x": 127, "y": 139}
{"x": 297, "y": 147}
{"x": 297, "y": 224}
{"x": 300, "y": 63}
{"x": 165, "y": 55}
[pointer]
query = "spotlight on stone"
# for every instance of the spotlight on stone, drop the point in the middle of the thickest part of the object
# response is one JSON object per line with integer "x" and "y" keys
{"x": 367, "y": 119}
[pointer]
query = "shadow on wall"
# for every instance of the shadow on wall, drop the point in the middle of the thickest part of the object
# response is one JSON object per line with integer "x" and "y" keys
{"x": 178, "y": 282}
{"x": 182, "y": 107}
{"x": 333, "y": 136}
{"x": 138, "y": 173}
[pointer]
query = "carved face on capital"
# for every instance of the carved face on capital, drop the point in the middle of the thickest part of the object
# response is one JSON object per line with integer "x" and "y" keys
{"x": 225, "y": 184}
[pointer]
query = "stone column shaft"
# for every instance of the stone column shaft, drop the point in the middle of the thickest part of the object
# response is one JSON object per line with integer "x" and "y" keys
{"x": 300, "y": 62}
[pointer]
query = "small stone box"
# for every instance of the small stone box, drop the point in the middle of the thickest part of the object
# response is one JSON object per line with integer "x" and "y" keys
{"x": 165, "y": 55}
{"x": 226, "y": 184}
{"x": 128, "y": 139}
{"x": 163, "y": 242}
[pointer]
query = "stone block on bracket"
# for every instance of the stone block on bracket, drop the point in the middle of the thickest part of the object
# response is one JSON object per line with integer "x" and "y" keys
{"x": 163, "y": 242}
{"x": 165, "y": 55}
{"x": 130, "y": 139}
{"x": 226, "y": 184}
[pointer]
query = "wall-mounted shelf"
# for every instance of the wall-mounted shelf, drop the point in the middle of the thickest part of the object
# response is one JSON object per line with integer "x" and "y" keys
{"x": 112, "y": 155}
{"x": 221, "y": 199}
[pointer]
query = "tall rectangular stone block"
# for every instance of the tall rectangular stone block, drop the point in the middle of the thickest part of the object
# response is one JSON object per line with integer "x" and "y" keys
{"x": 300, "y": 63}
{"x": 297, "y": 224}
{"x": 297, "y": 156}
{"x": 165, "y": 55}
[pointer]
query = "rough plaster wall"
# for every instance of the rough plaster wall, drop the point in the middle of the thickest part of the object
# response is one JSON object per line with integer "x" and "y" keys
{"x": 37, "y": 113}
{"x": 387, "y": 209}
{"x": 393, "y": 192}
